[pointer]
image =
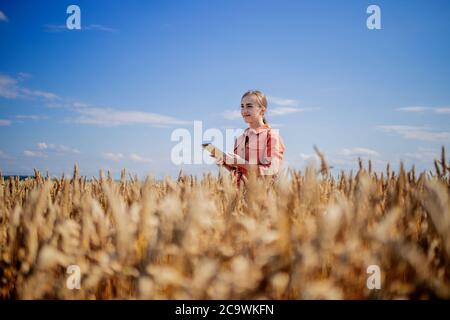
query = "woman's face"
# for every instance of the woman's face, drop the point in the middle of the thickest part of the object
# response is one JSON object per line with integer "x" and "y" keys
{"x": 251, "y": 111}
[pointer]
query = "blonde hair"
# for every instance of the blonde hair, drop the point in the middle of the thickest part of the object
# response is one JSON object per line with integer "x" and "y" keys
{"x": 261, "y": 97}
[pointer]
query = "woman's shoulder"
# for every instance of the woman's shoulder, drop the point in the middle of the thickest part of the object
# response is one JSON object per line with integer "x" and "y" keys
{"x": 274, "y": 131}
{"x": 276, "y": 136}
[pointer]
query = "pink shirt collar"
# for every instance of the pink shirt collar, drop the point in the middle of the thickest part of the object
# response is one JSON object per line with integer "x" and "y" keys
{"x": 260, "y": 129}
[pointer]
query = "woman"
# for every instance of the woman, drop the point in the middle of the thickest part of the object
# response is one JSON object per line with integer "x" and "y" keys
{"x": 261, "y": 146}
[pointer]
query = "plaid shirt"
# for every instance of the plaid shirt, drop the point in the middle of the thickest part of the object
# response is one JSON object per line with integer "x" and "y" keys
{"x": 263, "y": 146}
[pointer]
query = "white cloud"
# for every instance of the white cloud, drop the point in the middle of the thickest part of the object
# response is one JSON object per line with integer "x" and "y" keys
{"x": 441, "y": 110}
{"x": 8, "y": 87}
{"x": 23, "y": 76}
{"x": 58, "y": 149}
{"x": 346, "y": 158}
{"x": 120, "y": 156}
{"x": 63, "y": 148}
{"x": 42, "y": 146}
{"x": 55, "y": 28}
{"x": 113, "y": 156}
{"x": 416, "y": 133}
{"x": 3, "y": 17}
{"x": 31, "y": 117}
{"x": 57, "y": 105}
{"x": 414, "y": 109}
{"x": 423, "y": 154}
{"x": 358, "y": 152}
{"x": 232, "y": 114}
{"x": 137, "y": 158}
{"x": 90, "y": 27}
{"x": 98, "y": 27}
{"x": 34, "y": 154}
{"x": 45, "y": 150}
{"x": 281, "y": 111}
{"x": 340, "y": 161}
{"x": 81, "y": 105}
{"x": 87, "y": 114}
{"x": 309, "y": 156}
{"x": 3, "y": 155}
{"x": 39, "y": 94}
{"x": 111, "y": 117}
{"x": 282, "y": 101}
{"x": 4, "y": 122}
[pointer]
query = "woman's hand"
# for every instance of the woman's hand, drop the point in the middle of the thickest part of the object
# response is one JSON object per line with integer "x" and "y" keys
{"x": 234, "y": 164}
{"x": 218, "y": 161}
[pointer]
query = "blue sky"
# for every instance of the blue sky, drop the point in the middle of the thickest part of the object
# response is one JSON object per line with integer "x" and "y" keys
{"x": 110, "y": 95}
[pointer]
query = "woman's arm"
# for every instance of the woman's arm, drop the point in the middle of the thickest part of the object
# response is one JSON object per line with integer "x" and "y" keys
{"x": 221, "y": 162}
{"x": 229, "y": 168}
{"x": 274, "y": 155}
{"x": 273, "y": 158}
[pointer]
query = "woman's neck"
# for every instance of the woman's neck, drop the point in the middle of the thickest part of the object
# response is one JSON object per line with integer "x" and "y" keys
{"x": 257, "y": 124}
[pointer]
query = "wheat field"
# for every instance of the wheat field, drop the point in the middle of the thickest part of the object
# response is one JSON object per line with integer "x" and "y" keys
{"x": 306, "y": 236}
